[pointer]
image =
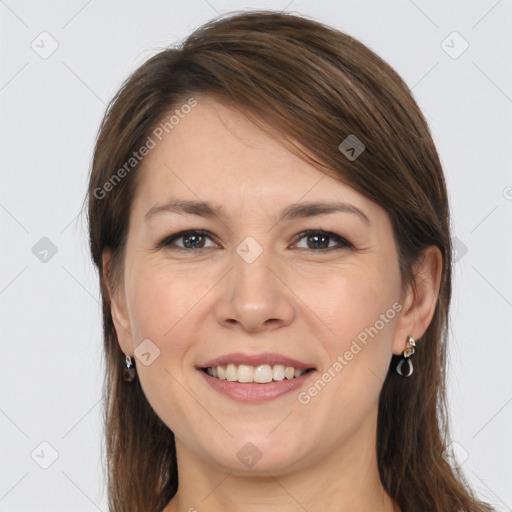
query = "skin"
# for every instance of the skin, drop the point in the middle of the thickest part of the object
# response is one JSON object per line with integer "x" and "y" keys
{"x": 295, "y": 299}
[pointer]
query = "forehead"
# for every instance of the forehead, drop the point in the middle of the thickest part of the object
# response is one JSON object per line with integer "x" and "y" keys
{"x": 216, "y": 153}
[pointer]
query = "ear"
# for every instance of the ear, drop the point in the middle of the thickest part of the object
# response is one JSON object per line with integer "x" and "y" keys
{"x": 419, "y": 301}
{"x": 118, "y": 309}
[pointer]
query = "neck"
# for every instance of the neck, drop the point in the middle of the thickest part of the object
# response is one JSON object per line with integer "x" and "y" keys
{"x": 345, "y": 480}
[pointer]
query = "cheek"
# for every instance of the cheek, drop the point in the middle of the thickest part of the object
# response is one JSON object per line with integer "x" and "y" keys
{"x": 158, "y": 308}
{"x": 160, "y": 301}
{"x": 162, "y": 310}
{"x": 358, "y": 310}
{"x": 349, "y": 301}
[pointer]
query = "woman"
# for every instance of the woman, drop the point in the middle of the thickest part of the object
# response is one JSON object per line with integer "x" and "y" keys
{"x": 269, "y": 217}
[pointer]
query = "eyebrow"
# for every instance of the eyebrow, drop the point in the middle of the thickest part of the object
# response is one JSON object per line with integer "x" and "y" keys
{"x": 293, "y": 211}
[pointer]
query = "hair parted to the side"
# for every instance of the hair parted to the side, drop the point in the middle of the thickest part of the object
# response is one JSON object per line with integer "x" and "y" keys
{"x": 310, "y": 86}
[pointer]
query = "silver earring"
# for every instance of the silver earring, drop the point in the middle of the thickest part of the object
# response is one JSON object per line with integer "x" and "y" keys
{"x": 129, "y": 371}
{"x": 404, "y": 367}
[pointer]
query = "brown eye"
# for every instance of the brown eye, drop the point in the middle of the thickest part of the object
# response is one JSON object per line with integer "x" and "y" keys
{"x": 194, "y": 239}
{"x": 322, "y": 240}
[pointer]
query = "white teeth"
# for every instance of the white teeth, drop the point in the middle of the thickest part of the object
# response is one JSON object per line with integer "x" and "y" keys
{"x": 278, "y": 372}
{"x": 231, "y": 372}
{"x": 245, "y": 373}
{"x": 261, "y": 374}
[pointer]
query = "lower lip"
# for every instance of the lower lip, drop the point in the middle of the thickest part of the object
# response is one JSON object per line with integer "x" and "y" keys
{"x": 253, "y": 392}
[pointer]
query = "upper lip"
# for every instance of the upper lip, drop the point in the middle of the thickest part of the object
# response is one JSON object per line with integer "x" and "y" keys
{"x": 269, "y": 358}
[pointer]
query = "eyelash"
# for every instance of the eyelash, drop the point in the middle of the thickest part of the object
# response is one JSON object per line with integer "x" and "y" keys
{"x": 168, "y": 240}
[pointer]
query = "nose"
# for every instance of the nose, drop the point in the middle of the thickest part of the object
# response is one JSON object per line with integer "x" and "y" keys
{"x": 254, "y": 297}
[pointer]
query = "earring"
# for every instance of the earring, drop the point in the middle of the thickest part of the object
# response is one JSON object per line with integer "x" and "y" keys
{"x": 129, "y": 371}
{"x": 404, "y": 367}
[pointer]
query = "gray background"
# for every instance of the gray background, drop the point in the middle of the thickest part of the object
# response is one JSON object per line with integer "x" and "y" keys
{"x": 51, "y": 106}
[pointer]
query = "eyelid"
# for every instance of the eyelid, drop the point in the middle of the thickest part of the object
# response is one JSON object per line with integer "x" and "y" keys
{"x": 166, "y": 241}
{"x": 341, "y": 241}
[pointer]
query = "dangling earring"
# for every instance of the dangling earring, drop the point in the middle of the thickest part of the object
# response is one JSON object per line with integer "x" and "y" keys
{"x": 129, "y": 371}
{"x": 404, "y": 366}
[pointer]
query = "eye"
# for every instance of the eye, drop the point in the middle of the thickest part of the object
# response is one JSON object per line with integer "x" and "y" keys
{"x": 322, "y": 240}
{"x": 317, "y": 240}
{"x": 191, "y": 239}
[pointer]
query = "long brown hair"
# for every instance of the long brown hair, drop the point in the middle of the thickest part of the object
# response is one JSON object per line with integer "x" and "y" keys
{"x": 310, "y": 86}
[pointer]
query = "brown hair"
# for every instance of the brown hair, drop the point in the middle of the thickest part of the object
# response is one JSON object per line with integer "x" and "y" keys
{"x": 310, "y": 86}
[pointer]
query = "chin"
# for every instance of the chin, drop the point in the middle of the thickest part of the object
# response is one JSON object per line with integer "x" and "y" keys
{"x": 258, "y": 456}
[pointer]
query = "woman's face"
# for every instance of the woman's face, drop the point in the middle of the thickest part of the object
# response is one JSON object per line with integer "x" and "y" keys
{"x": 282, "y": 269}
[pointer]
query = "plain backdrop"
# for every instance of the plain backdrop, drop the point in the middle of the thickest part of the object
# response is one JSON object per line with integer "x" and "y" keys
{"x": 62, "y": 61}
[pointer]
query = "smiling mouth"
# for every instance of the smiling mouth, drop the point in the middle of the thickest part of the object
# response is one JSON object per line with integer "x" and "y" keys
{"x": 262, "y": 374}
